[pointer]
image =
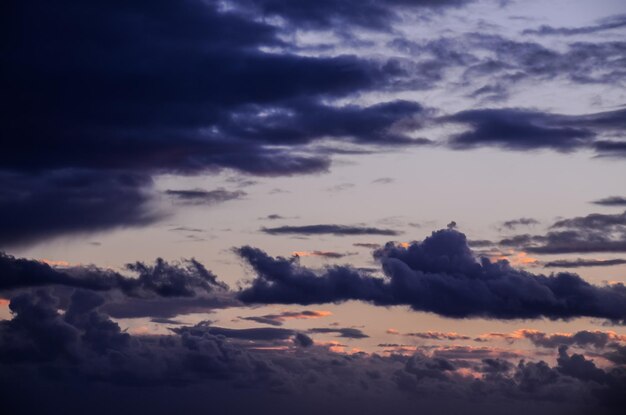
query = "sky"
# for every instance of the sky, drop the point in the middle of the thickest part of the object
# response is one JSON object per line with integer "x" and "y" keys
{"x": 326, "y": 206}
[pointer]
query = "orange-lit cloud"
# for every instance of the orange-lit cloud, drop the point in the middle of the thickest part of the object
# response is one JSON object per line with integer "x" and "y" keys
{"x": 539, "y": 337}
{"x": 279, "y": 319}
{"x": 140, "y": 330}
{"x": 54, "y": 263}
{"x": 517, "y": 258}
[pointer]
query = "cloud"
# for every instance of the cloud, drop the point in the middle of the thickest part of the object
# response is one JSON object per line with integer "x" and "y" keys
{"x": 83, "y": 352}
{"x": 367, "y": 245}
{"x": 436, "y": 335}
{"x": 613, "y": 22}
{"x": 279, "y": 319}
{"x": 583, "y": 338}
{"x": 323, "y": 254}
{"x": 337, "y": 230}
{"x": 163, "y": 279}
{"x": 383, "y": 180}
{"x": 69, "y": 202}
{"x": 595, "y": 232}
{"x": 205, "y": 197}
{"x": 577, "y": 263}
{"x": 273, "y": 216}
{"x": 349, "y": 333}
{"x": 303, "y": 121}
{"x": 494, "y": 67}
{"x": 439, "y": 275}
{"x": 264, "y": 334}
{"x": 200, "y": 96}
{"x": 516, "y": 129}
{"x": 512, "y": 224}
{"x": 336, "y": 14}
{"x": 611, "y": 201}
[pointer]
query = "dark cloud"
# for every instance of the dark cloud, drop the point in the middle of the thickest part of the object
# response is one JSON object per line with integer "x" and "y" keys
{"x": 493, "y": 66}
{"x": 595, "y": 232}
{"x": 473, "y": 353}
{"x": 279, "y": 319}
{"x": 435, "y": 335}
{"x": 336, "y": 14}
{"x": 367, "y": 245}
{"x": 583, "y": 338}
{"x": 105, "y": 96}
{"x": 348, "y": 332}
{"x": 613, "y": 22}
{"x": 511, "y": 61}
{"x": 205, "y": 197}
{"x": 255, "y": 334}
{"x": 82, "y": 352}
{"x": 609, "y": 148}
{"x": 337, "y": 230}
{"x": 383, "y": 180}
{"x": 303, "y": 340}
{"x": 160, "y": 290}
{"x": 578, "y": 263}
{"x": 512, "y": 224}
{"x": 68, "y": 202}
{"x": 273, "y": 216}
{"x": 303, "y": 121}
{"x": 611, "y": 201}
{"x": 152, "y": 91}
{"x": 480, "y": 243}
{"x": 18, "y": 273}
{"x": 617, "y": 356}
{"x": 163, "y": 279}
{"x": 324, "y": 254}
{"x": 169, "y": 307}
{"x": 439, "y": 275}
{"x": 516, "y": 129}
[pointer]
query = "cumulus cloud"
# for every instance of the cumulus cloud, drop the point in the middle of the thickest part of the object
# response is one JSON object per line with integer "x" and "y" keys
{"x": 160, "y": 290}
{"x": 439, "y": 275}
